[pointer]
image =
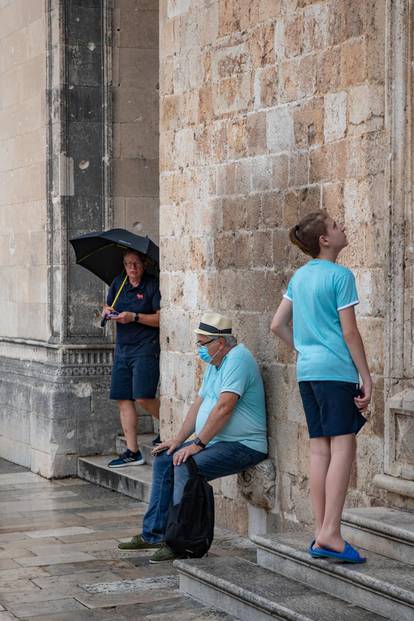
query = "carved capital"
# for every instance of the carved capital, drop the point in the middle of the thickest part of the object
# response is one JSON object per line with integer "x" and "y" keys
{"x": 258, "y": 484}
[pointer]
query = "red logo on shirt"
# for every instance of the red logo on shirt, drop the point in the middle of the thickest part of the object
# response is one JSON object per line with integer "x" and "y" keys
{"x": 140, "y": 296}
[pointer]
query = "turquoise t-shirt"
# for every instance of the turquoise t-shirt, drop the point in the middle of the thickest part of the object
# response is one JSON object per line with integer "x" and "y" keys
{"x": 238, "y": 373}
{"x": 318, "y": 291}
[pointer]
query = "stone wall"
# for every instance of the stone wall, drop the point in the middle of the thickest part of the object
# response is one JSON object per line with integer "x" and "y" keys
{"x": 23, "y": 258}
{"x": 269, "y": 109}
{"x": 54, "y": 148}
{"x": 135, "y": 116}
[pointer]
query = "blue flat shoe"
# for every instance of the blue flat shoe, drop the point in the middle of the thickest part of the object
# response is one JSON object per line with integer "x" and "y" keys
{"x": 348, "y": 554}
{"x": 313, "y": 551}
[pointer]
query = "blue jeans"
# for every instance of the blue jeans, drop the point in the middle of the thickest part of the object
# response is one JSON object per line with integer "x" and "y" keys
{"x": 168, "y": 481}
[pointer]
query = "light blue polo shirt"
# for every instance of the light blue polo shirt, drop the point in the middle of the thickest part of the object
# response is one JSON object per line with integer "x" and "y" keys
{"x": 318, "y": 291}
{"x": 238, "y": 373}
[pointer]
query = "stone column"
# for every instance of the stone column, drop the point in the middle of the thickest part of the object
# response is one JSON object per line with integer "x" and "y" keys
{"x": 54, "y": 385}
{"x": 398, "y": 474}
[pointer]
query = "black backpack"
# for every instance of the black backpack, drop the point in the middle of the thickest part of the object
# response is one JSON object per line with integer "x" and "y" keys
{"x": 190, "y": 525}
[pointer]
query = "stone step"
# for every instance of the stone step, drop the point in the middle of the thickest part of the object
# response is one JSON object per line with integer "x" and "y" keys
{"x": 382, "y": 585}
{"x": 252, "y": 593}
{"x": 144, "y": 443}
{"x": 389, "y": 532}
{"x": 134, "y": 481}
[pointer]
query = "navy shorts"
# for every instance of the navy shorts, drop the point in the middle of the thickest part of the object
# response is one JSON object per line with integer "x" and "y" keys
{"x": 134, "y": 376}
{"x": 330, "y": 409}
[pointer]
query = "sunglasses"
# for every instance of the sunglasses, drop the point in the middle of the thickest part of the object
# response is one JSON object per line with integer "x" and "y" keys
{"x": 200, "y": 344}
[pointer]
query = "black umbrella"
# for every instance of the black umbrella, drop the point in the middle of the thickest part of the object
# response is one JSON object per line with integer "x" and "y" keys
{"x": 102, "y": 252}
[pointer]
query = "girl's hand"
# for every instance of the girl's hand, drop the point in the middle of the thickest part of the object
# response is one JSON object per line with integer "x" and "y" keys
{"x": 363, "y": 399}
{"x": 124, "y": 317}
{"x": 181, "y": 456}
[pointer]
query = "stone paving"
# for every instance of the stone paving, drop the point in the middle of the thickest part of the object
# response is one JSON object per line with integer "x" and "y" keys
{"x": 59, "y": 558}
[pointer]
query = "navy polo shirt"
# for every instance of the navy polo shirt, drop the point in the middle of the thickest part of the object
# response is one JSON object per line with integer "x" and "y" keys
{"x": 145, "y": 298}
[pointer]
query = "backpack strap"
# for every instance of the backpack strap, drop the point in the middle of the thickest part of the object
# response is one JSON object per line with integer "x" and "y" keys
{"x": 192, "y": 467}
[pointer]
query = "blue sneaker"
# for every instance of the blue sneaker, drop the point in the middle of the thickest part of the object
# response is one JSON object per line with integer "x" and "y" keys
{"x": 128, "y": 458}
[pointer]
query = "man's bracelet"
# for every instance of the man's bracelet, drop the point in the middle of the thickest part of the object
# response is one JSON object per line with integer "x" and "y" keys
{"x": 136, "y": 318}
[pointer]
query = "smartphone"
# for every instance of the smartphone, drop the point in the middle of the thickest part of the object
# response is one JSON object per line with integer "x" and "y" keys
{"x": 112, "y": 314}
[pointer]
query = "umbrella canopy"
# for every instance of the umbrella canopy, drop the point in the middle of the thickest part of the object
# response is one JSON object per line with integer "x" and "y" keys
{"x": 102, "y": 252}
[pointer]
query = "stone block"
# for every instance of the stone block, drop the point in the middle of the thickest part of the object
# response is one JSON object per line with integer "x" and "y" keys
{"x": 256, "y": 130}
{"x": 308, "y": 123}
{"x": 272, "y": 207}
{"x": 279, "y": 129}
{"x": 139, "y": 139}
{"x": 316, "y": 27}
{"x": 232, "y": 94}
{"x": 238, "y": 136}
{"x": 329, "y": 163}
{"x": 261, "y": 47}
{"x": 335, "y": 120}
{"x": 137, "y": 67}
{"x": 365, "y": 101}
{"x": 293, "y": 35}
{"x": 298, "y": 168}
{"x": 297, "y": 78}
{"x": 138, "y": 28}
{"x": 136, "y": 177}
{"x": 265, "y": 87}
{"x": 327, "y": 74}
{"x": 333, "y": 200}
{"x": 353, "y": 67}
{"x": 262, "y": 173}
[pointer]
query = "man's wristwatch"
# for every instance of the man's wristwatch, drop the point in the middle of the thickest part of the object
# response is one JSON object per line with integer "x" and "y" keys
{"x": 198, "y": 442}
{"x": 136, "y": 318}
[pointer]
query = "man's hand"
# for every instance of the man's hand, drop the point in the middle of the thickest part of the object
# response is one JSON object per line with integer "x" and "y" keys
{"x": 181, "y": 456}
{"x": 168, "y": 445}
{"x": 124, "y": 317}
{"x": 107, "y": 309}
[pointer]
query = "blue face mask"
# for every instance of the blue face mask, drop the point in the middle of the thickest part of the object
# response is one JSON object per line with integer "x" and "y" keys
{"x": 203, "y": 353}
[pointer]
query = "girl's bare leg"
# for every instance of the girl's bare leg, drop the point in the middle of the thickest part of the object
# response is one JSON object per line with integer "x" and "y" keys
{"x": 320, "y": 456}
{"x": 343, "y": 450}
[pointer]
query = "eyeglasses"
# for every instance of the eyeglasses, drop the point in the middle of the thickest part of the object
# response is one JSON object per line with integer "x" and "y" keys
{"x": 132, "y": 264}
{"x": 200, "y": 343}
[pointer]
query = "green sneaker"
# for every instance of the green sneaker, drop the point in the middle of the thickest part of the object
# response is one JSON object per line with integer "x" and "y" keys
{"x": 163, "y": 554}
{"x": 138, "y": 543}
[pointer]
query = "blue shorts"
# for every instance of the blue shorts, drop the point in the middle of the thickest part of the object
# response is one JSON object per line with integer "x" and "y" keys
{"x": 134, "y": 376}
{"x": 330, "y": 409}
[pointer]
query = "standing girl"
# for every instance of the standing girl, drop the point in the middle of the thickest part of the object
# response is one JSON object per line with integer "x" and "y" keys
{"x": 320, "y": 299}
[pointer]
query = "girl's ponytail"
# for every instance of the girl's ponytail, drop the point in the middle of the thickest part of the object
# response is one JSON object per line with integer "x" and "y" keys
{"x": 306, "y": 234}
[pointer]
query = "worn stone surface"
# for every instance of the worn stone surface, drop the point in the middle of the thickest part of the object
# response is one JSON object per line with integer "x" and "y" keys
{"x": 135, "y": 91}
{"x": 104, "y": 583}
{"x": 269, "y": 111}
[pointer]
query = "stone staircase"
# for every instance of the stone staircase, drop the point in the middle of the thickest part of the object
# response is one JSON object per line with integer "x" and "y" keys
{"x": 286, "y": 583}
{"x": 134, "y": 481}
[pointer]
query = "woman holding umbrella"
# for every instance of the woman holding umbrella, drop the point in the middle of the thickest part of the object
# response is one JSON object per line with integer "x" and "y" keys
{"x": 135, "y": 372}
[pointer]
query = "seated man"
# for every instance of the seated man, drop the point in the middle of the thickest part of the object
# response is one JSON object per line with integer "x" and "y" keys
{"x": 229, "y": 420}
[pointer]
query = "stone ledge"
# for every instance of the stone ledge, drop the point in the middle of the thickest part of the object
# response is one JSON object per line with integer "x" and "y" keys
{"x": 403, "y": 487}
{"x": 382, "y": 585}
{"x": 386, "y": 531}
{"x": 252, "y": 593}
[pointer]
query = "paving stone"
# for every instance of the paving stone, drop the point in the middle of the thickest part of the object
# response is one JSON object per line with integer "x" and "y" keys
{"x": 105, "y": 600}
{"x": 61, "y": 583}
{"x": 57, "y": 532}
{"x": 95, "y": 565}
{"x": 63, "y": 548}
{"x": 25, "y": 611}
{"x": 55, "y": 559}
{"x": 16, "y": 585}
{"x": 139, "y": 584}
{"x": 7, "y": 616}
